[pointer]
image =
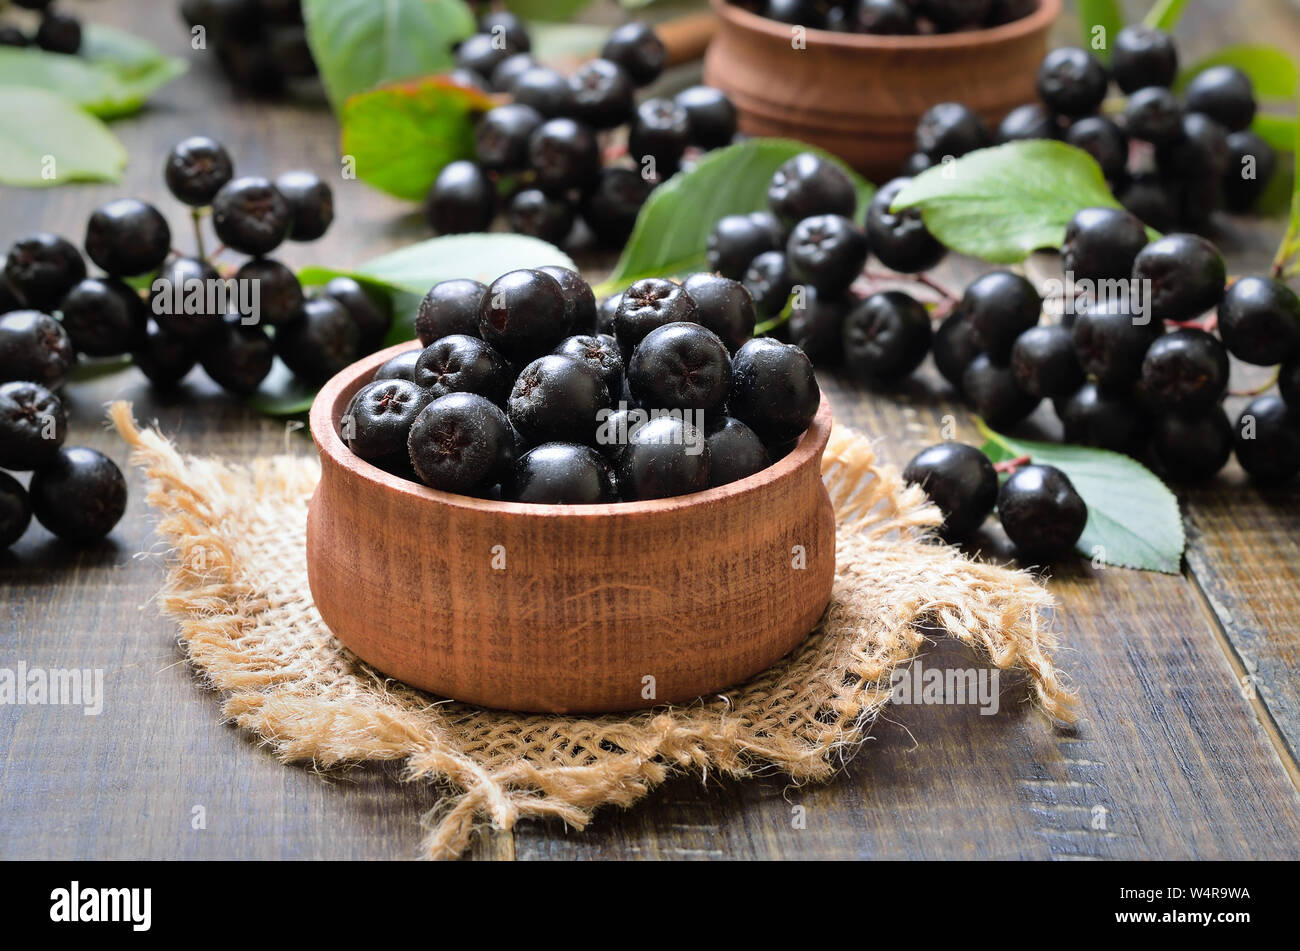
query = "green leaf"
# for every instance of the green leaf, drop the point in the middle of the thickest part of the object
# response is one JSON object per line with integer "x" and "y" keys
{"x": 282, "y": 393}
{"x": 1133, "y": 519}
{"x": 554, "y": 41}
{"x": 1270, "y": 69}
{"x": 555, "y": 10}
{"x": 361, "y": 44}
{"x": 1165, "y": 14}
{"x": 46, "y": 140}
{"x": 673, "y": 228}
{"x": 1278, "y": 131}
{"x": 1105, "y": 14}
{"x": 1004, "y": 203}
{"x": 402, "y": 135}
{"x": 89, "y": 368}
{"x": 100, "y": 88}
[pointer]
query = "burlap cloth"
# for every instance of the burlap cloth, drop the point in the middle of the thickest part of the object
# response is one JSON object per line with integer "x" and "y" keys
{"x": 237, "y": 587}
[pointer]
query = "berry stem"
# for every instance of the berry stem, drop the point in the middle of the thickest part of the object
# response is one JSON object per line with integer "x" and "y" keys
{"x": 1011, "y": 465}
{"x": 1208, "y": 324}
{"x": 197, "y": 217}
{"x": 945, "y": 292}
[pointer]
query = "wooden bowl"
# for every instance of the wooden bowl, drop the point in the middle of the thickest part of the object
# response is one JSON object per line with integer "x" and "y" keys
{"x": 566, "y": 608}
{"x": 860, "y": 96}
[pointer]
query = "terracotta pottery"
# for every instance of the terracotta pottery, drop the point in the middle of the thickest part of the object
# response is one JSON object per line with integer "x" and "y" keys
{"x": 858, "y": 95}
{"x": 570, "y": 608}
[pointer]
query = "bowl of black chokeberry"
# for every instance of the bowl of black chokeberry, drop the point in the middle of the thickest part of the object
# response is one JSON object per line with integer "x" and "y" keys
{"x": 546, "y": 505}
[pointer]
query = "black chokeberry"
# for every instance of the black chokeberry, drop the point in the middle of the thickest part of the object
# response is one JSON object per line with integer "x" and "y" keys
{"x": 579, "y": 301}
{"x": 12, "y": 36}
{"x": 8, "y": 297}
{"x": 1259, "y": 320}
{"x": 59, "y": 33}
{"x": 164, "y": 358}
{"x": 603, "y": 94}
{"x": 1092, "y": 416}
{"x": 915, "y": 164}
{"x": 377, "y": 422}
{"x": 128, "y": 237}
{"x": 960, "y": 480}
{"x": 184, "y": 298}
{"x": 1251, "y": 164}
{"x": 951, "y": 15}
{"x": 483, "y": 52}
{"x": 33, "y": 425}
{"x": 950, "y": 129}
{"x": 955, "y": 347}
{"x": 735, "y": 241}
{"x": 461, "y": 200}
{"x": 15, "y": 506}
{"x": 541, "y": 215}
{"x": 462, "y": 443}
{"x": 469, "y": 79}
{"x": 710, "y": 115}
{"x": 35, "y": 347}
{"x": 545, "y": 90}
{"x": 558, "y": 399}
{"x": 562, "y": 473}
{"x": 1030, "y": 121}
{"x": 1042, "y": 512}
{"x": 665, "y": 457}
{"x": 238, "y": 356}
{"x": 648, "y": 304}
{"x": 797, "y": 12}
{"x": 464, "y": 364}
{"x": 400, "y": 367}
{"x": 371, "y": 311}
{"x": 1104, "y": 141}
{"x": 1143, "y": 56}
{"x": 250, "y": 215}
{"x": 1185, "y": 372}
{"x": 102, "y": 316}
{"x": 1153, "y": 114}
{"x": 610, "y": 209}
{"x": 510, "y": 69}
{"x": 1000, "y": 306}
{"x": 680, "y": 366}
{"x": 311, "y": 204}
{"x": 564, "y": 154}
{"x": 501, "y": 137}
{"x": 723, "y": 306}
{"x": 1111, "y": 344}
{"x": 1288, "y": 383}
{"x": 523, "y": 314}
{"x": 886, "y": 336}
{"x": 1192, "y": 448}
{"x": 884, "y": 17}
{"x": 1186, "y": 275}
{"x": 816, "y": 324}
{"x": 992, "y": 391}
{"x": 637, "y": 48}
{"x": 79, "y": 496}
{"x": 809, "y": 185}
{"x": 1225, "y": 94}
{"x": 769, "y": 283}
{"x": 42, "y": 267}
{"x": 1267, "y": 440}
{"x": 196, "y": 168}
{"x": 735, "y": 451}
{"x": 605, "y": 312}
{"x": 1200, "y": 154}
{"x": 450, "y": 307}
{"x": 601, "y": 352}
{"x": 773, "y": 390}
{"x": 279, "y": 294}
{"x": 508, "y": 29}
{"x": 660, "y": 132}
{"x": 322, "y": 340}
{"x": 1101, "y": 244}
{"x": 900, "y": 239}
{"x": 826, "y": 251}
{"x": 1044, "y": 363}
{"x": 1072, "y": 82}
{"x": 1153, "y": 200}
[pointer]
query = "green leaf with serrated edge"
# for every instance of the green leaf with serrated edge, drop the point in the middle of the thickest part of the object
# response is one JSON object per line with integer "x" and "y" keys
{"x": 401, "y": 136}
{"x": 1165, "y": 14}
{"x": 1002, "y": 204}
{"x": 47, "y": 140}
{"x": 672, "y": 230}
{"x": 1133, "y": 519}
{"x": 361, "y": 44}
{"x": 1272, "y": 72}
{"x": 1105, "y": 14}
{"x": 98, "y": 87}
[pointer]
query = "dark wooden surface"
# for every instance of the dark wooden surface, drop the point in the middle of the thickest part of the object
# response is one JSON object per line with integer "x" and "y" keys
{"x": 1186, "y": 757}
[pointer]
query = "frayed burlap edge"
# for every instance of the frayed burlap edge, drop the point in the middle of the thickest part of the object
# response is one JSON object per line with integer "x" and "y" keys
{"x": 237, "y": 587}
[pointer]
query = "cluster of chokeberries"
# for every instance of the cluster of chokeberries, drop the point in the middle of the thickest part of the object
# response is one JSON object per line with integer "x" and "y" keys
{"x": 892, "y": 17}
{"x": 55, "y": 32}
{"x": 544, "y": 146}
{"x": 260, "y": 44}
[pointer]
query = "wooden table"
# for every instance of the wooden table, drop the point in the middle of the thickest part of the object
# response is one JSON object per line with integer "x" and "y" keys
{"x": 1183, "y": 758}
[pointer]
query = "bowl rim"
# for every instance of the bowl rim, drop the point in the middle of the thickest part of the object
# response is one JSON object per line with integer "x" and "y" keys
{"x": 1047, "y": 13}
{"x": 330, "y": 404}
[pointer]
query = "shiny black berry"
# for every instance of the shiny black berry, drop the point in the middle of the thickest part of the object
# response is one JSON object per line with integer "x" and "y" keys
{"x": 12, "y": 36}
{"x": 1153, "y": 200}
{"x": 377, "y": 422}
{"x": 164, "y": 358}
{"x": 579, "y": 301}
{"x": 1071, "y": 81}
{"x": 509, "y": 70}
{"x": 59, "y": 33}
{"x": 1101, "y": 244}
{"x": 680, "y": 366}
{"x": 184, "y": 300}
{"x": 238, "y": 356}
{"x": 735, "y": 241}
{"x": 1111, "y": 344}
{"x": 541, "y": 215}
{"x": 507, "y": 28}
{"x": 637, "y": 48}
{"x": 372, "y": 312}
{"x": 400, "y": 367}
{"x": 723, "y": 306}
{"x": 250, "y": 215}
{"x": 900, "y": 239}
{"x": 79, "y": 496}
{"x": 1153, "y": 114}
{"x": 461, "y": 200}
{"x": 735, "y": 451}
{"x": 464, "y": 364}
{"x": 34, "y": 347}
{"x": 1104, "y": 141}
{"x": 660, "y": 133}
{"x": 769, "y": 283}
{"x": 601, "y": 352}
{"x": 196, "y": 169}
{"x": 462, "y": 443}
{"x": 1192, "y": 448}
{"x": 501, "y": 137}
{"x": 322, "y": 340}
{"x": 1030, "y": 121}
{"x": 992, "y": 391}
{"x": 950, "y": 129}
{"x": 1044, "y": 363}
{"x": 603, "y": 94}
{"x": 1043, "y": 514}
{"x": 809, "y": 185}
{"x": 1259, "y": 320}
{"x": 557, "y": 399}
{"x": 102, "y": 316}
{"x": 605, "y": 312}
{"x": 1187, "y": 276}
{"x": 960, "y": 480}
{"x": 128, "y": 237}
{"x": 450, "y": 307}
{"x": 1225, "y": 94}
{"x": 1267, "y": 440}
{"x": 1200, "y": 154}
{"x": 710, "y": 115}
{"x": 545, "y": 90}
{"x": 884, "y": 17}
{"x": 15, "y": 506}
{"x": 886, "y": 336}
{"x": 1000, "y": 306}
{"x": 1185, "y": 372}
{"x": 1251, "y": 164}
{"x": 648, "y": 304}
{"x": 826, "y": 251}
{"x": 42, "y": 267}
{"x": 311, "y": 204}
{"x": 33, "y": 425}
{"x": 562, "y": 473}
{"x": 483, "y": 52}
{"x": 563, "y": 153}
{"x": 611, "y": 208}
{"x": 664, "y": 458}
{"x": 1094, "y": 417}
{"x": 773, "y": 390}
{"x": 1143, "y": 56}
{"x": 278, "y": 292}
{"x": 816, "y": 324}
{"x": 955, "y": 347}
{"x": 1288, "y": 383}
{"x": 524, "y": 313}
{"x": 951, "y": 15}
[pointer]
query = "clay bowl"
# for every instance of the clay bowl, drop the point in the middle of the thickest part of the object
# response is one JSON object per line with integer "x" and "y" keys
{"x": 859, "y": 96}
{"x": 566, "y": 609}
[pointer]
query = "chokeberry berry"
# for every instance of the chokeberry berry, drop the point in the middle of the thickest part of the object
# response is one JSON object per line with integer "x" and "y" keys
{"x": 79, "y": 496}
{"x": 238, "y": 356}
{"x": 773, "y": 390}
{"x": 680, "y": 366}
{"x": 735, "y": 451}
{"x": 508, "y": 29}
{"x": 42, "y": 267}
{"x": 464, "y": 364}
{"x": 648, "y": 304}
{"x": 462, "y": 443}
{"x": 1153, "y": 200}
{"x": 605, "y": 312}
{"x": 33, "y": 425}
{"x": 579, "y": 301}
{"x": 1143, "y": 56}
{"x": 603, "y": 94}
{"x": 611, "y": 208}
{"x": 1042, "y": 513}
{"x": 1000, "y": 306}
{"x": 665, "y": 457}
{"x": 1201, "y": 152}
{"x": 1030, "y": 121}
{"x": 1267, "y": 440}
{"x": 557, "y": 399}
{"x": 545, "y": 90}
{"x": 884, "y": 17}
{"x": 524, "y": 313}
{"x": 960, "y": 480}
{"x": 955, "y": 347}
{"x": 723, "y": 306}
{"x": 471, "y": 80}
{"x": 1110, "y": 344}
{"x": 400, "y": 367}
{"x": 735, "y": 241}
{"x": 483, "y": 52}
{"x": 279, "y": 294}
{"x": 128, "y": 237}
{"x": 1044, "y": 364}
{"x": 900, "y": 239}
{"x": 1104, "y": 141}
{"x": 59, "y": 33}
{"x": 637, "y": 48}
{"x": 601, "y": 352}
{"x": 1185, "y": 372}
{"x": 102, "y": 316}
{"x": 15, "y": 506}
{"x": 377, "y": 422}
{"x": 450, "y": 307}
{"x": 372, "y": 312}
{"x": 816, "y": 325}
{"x": 311, "y": 204}
{"x": 510, "y": 69}
{"x": 1251, "y": 164}
{"x": 35, "y": 347}
{"x": 951, "y": 15}
{"x": 1092, "y": 416}
{"x": 915, "y": 164}
{"x": 561, "y": 473}
{"x": 710, "y": 115}
{"x": 184, "y": 300}
{"x": 1186, "y": 275}
{"x": 1072, "y": 82}
{"x": 1192, "y": 448}
{"x": 461, "y": 200}
{"x": 12, "y": 36}
{"x": 8, "y": 297}
{"x": 322, "y": 340}
{"x": 1153, "y": 114}
{"x": 540, "y": 214}
{"x": 769, "y": 283}
{"x": 1101, "y": 244}
{"x": 196, "y": 168}
{"x": 809, "y": 185}
{"x": 660, "y": 132}
{"x": 950, "y": 129}
{"x": 1288, "y": 383}
{"x": 563, "y": 154}
{"x": 164, "y": 358}
{"x": 797, "y": 12}
{"x": 826, "y": 251}
{"x": 886, "y": 336}
{"x": 1259, "y": 320}
{"x": 250, "y": 215}
{"x": 1225, "y": 94}
{"x": 992, "y": 391}
{"x": 501, "y": 137}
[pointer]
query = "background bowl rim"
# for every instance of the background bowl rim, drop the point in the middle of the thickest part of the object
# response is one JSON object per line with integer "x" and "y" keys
{"x": 330, "y": 404}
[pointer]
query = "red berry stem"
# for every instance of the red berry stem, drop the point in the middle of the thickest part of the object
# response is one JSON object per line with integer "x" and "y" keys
{"x": 197, "y": 217}
{"x": 1011, "y": 465}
